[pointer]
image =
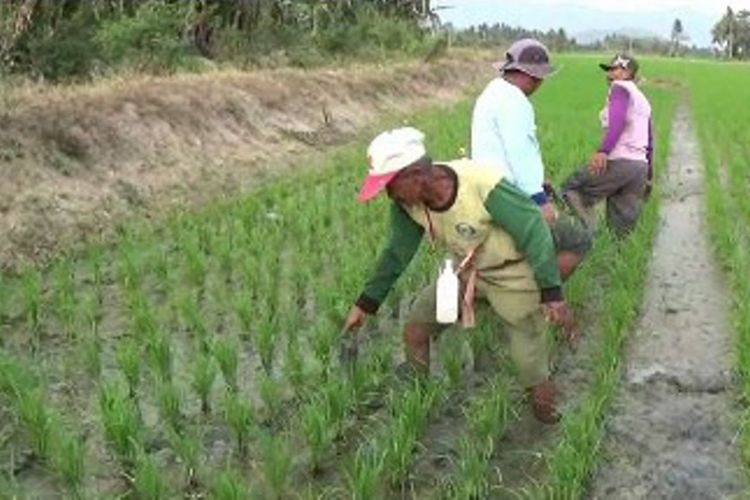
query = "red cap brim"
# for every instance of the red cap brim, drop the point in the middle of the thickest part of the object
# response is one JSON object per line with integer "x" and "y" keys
{"x": 373, "y": 185}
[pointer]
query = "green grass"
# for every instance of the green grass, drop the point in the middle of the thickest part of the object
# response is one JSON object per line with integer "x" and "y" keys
{"x": 723, "y": 128}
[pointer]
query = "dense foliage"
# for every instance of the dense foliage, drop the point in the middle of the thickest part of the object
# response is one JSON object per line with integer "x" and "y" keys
{"x": 71, "y": 38}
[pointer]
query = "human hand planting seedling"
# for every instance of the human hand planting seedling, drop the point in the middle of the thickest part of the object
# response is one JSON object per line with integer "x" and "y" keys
{"x": 560, "y": 314}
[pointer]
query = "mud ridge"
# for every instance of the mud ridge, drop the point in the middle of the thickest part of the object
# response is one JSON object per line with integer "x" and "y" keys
{"x": 673, "y": 426}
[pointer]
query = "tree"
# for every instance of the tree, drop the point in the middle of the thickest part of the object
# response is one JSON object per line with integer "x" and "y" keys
{"x": 676, "y": 38}
{"x": 724, "y": 31}
{"x": 732, "y": 34}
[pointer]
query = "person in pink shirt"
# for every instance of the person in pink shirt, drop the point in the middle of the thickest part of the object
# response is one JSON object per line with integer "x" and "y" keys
{"x": 621, "y": 169}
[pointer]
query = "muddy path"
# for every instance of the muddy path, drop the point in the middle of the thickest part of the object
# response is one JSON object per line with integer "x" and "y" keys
{"x": 674, "y": 423}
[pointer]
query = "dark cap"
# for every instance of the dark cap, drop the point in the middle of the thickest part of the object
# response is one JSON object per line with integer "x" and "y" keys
{"x": 528, "y": 56}
{"x": 624, "y": 61}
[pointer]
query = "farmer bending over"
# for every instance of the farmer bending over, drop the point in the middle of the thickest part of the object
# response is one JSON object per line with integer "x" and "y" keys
{"x": 496, "y": 233}
{"x": 503, "y": 135}
{"x": 621, "y": 169}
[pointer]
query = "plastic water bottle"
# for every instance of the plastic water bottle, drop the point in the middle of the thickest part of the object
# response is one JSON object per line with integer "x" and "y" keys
{"x": 447, "y": 295}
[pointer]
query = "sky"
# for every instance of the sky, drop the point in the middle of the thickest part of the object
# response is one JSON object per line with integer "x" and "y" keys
{"x": 581, "y": 16}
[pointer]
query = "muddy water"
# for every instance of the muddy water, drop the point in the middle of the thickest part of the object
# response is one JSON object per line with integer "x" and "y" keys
{"x": 673, "y": 427}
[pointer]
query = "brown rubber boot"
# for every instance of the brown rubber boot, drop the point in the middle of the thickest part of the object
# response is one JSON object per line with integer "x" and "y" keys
{"x": 543, "y": 398}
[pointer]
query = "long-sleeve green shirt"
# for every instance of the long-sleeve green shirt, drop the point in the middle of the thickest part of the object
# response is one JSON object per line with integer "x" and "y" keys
{"x": 509, "y": 208}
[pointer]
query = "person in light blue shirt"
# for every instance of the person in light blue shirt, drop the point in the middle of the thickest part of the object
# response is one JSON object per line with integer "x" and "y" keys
{"x": 503, "y": 134}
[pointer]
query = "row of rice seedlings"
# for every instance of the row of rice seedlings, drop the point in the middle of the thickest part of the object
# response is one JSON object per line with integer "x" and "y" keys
{"x": 728, "y": 213}
{"x": 488, "y": 417}
{"x": 121, "y": 422}
{"x": 574, "y": 457}
{"x": 240, "y": 416}
{"x": 62, "y": 451}
{"x": 386, "y": 460}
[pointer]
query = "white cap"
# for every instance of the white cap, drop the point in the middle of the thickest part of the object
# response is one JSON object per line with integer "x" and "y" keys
{"x": 389, "y": 153}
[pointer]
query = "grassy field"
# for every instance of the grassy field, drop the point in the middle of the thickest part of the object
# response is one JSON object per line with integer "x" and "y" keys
{"x": 723, "y": 130}
{"x": 197, "y": 357}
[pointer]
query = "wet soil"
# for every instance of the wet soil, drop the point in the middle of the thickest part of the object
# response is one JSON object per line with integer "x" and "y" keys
{"x": 673, "y": 428}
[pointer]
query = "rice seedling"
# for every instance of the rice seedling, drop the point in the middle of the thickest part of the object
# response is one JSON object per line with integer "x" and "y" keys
{"x": 149, "y": 482}
{"x": 318, "y": 431}
{"x": 410, "y": 413}
{"x": 159, "y": 351}
{"x": 266, "y": 340}
{"x": 471, "y": 472}
{"x": 69, "y": 460}
{"x": 32, "y": 411}
{"x": 191, "y": 315}
{"x": 363, "y": 475}
{"x": 241, "y": 419}
{"x": 32, "y": 286}
{"x": 187, "y": 446}
{"x": 271, "y": 393}
{"x": 229, "y": 486}
{"x": 129, "y": 266}
{"x": 170, "y": 405}
{"x": 277, "y": 465}
{"x": 4, "y": 298}
{"x": 451, "y": 356}
{"x": 243, "y": 307}
{"x": 91, "y": 348}
{"x": 294, "y": 366}
{"x": 65, "y": 296}
{"x": 143, "y": 318}
{"x": 129, "y": 360}
{"x": 121, "y": 422}
{"x": 226, "y": 352}
{"x": 95, "y": 258}
{"x": 203, "y": 377}
{"x": 325, "y": 339}
{"x": 197, "y": 270}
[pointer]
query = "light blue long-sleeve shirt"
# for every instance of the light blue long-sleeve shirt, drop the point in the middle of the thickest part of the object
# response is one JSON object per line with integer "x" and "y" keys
{"x": 503, "y": 133}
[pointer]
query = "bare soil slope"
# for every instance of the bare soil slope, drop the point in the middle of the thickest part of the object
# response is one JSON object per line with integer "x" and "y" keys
{"x": 74, "y": 161}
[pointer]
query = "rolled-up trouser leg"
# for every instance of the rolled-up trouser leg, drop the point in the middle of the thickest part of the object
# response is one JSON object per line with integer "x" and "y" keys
{"x": 524, "y": 322}
{"x": 529, "y": 349}
{"x": 624, "y": 206}
{"x": 421, "y": 325}
{"x": 622, "y": 183}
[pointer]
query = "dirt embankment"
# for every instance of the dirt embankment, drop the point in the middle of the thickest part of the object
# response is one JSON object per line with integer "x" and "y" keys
{"x": 75, "y": 161}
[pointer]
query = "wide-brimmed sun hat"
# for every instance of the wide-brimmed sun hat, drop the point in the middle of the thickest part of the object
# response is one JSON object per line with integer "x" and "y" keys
{"x": 529, "y": 56}
{"x": 388, "y": 154}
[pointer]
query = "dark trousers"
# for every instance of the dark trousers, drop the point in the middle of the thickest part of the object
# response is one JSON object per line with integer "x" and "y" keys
{"x": 622, "y": 184}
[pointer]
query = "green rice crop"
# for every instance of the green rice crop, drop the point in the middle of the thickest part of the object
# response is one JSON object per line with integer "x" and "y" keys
{"x": 255, "y": 288}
